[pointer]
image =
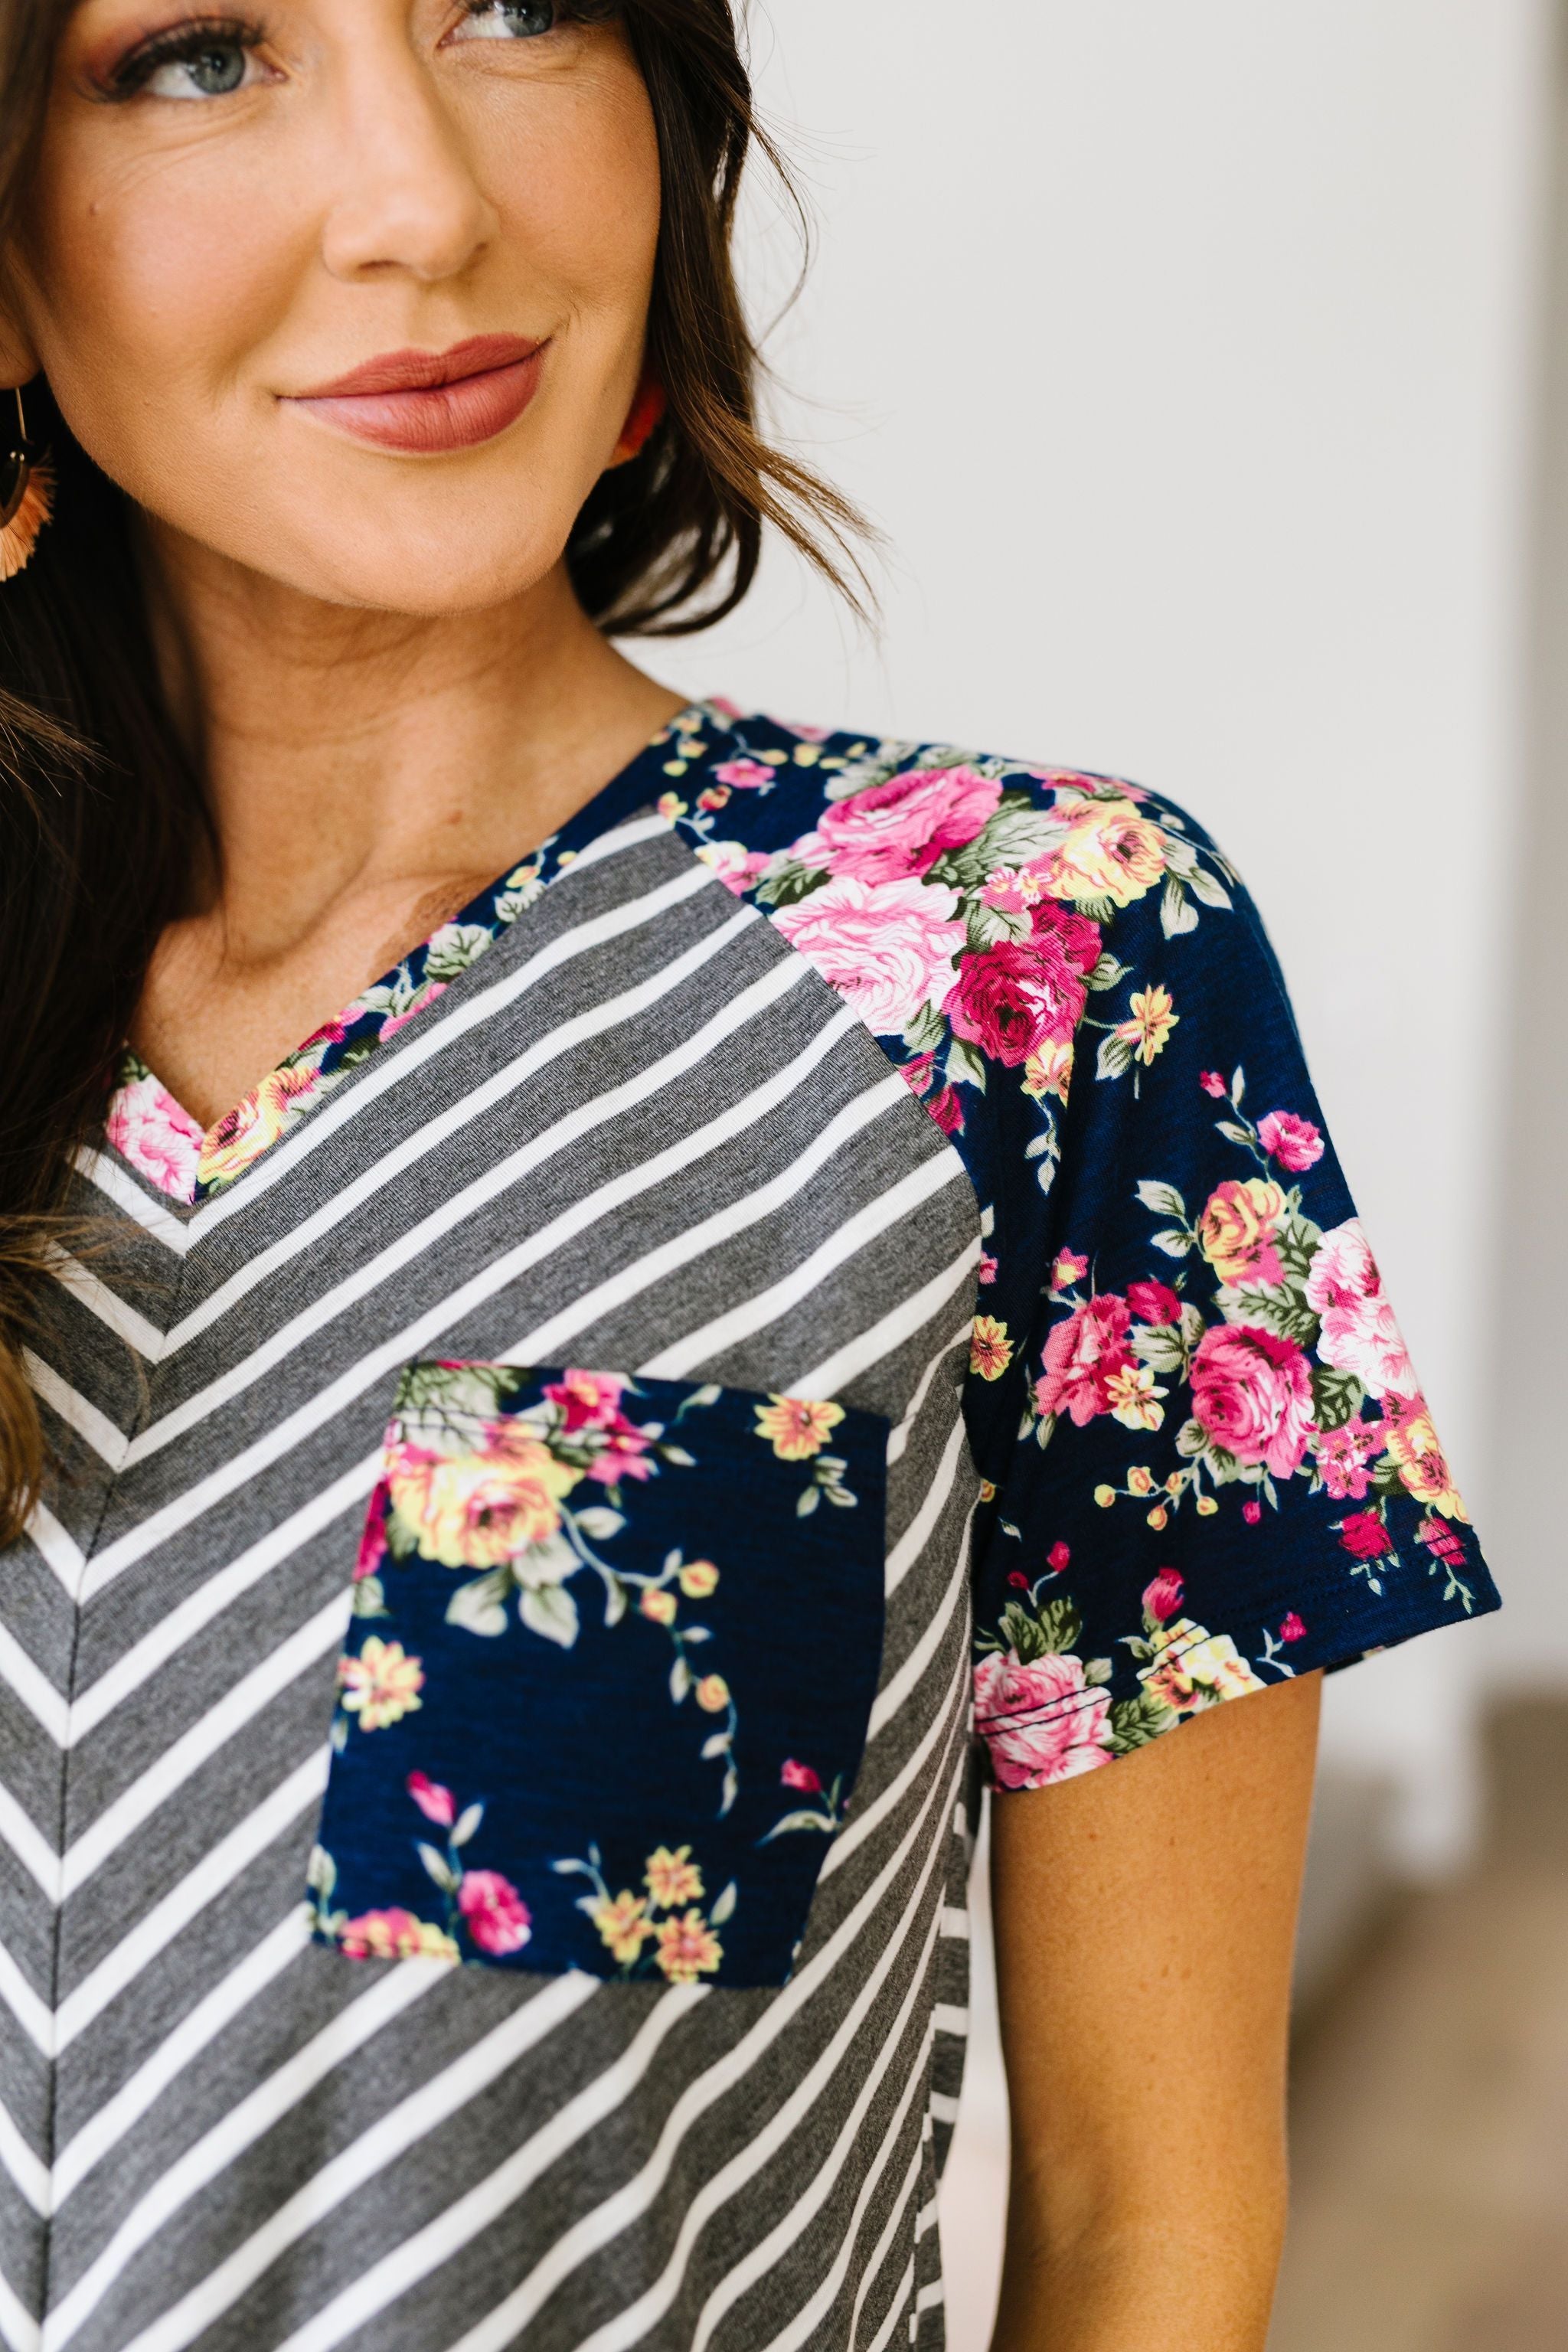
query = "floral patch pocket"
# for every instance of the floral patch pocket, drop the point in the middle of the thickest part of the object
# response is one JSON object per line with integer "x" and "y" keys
{"x": 607, "y": 1682}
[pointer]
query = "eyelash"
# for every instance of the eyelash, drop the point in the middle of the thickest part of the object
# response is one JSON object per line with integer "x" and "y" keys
{"x": 187, "y": 41}
{"x": 179, "y": 43}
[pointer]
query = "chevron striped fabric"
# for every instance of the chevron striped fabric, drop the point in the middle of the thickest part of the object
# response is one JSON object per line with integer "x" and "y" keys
{"x": 752, "y": 1145}
{"x": 641, "y": 1133}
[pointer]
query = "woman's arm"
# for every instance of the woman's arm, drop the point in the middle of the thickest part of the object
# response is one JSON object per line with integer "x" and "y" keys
{"x": 1145, "y": 1918}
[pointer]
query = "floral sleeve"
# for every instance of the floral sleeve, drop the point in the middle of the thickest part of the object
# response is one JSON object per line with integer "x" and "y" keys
{"x": 1206, "y": 1460}
{"x": 1208, "y": 1463}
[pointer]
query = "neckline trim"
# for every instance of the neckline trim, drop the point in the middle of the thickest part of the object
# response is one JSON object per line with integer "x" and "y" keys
{"x": 169, "y": 1150}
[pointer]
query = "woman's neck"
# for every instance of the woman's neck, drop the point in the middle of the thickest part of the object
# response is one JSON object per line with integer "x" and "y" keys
{"x": 367, "y": 772}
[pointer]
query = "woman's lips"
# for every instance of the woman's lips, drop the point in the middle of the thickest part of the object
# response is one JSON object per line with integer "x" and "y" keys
{"x": 429, "y": 402}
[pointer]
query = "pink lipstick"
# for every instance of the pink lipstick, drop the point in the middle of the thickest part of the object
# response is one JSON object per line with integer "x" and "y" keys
{"x": 428, "y": 402}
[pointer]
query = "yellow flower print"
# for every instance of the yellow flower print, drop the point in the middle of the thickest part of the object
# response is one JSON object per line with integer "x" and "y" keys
{"x": 1194, "y": 1668}
{"x": 394, "y": 1935}
{"x": 794, "y": 1429}
{"x": 712, "y": 1694}
{"x": 624, "y": 1926}
{"x": 1049, "y": 1072}
{"x": 382, "y": 1684}
{"x": 1105, "y": 1495}
{"x": 697, "y": 1579}
{"x": 660, "y": 1606}
{"x": 1140, "y": 1482}
{"x": 1237, "y": 1229}
{"x": 1153, "y": 1018}
{"x": 1110, "y": 852}
{"x": 1134, "y": 1400}
{"x": 255, "y": 1124}
{"x": 687, "y": 1948}
{"x": 991, "y": 1350}
{"x": 479, "y": 1508}
{"x": 672, "y": 1879}
{"x": 1422, "y": 1466}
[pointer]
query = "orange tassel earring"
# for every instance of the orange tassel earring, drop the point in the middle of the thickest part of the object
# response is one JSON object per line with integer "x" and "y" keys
{"x": 645, "y": 417}
{"x": 26, "y": 497}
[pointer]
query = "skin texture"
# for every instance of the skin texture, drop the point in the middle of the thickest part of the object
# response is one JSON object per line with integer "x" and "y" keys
{"x": 394, "y": 696}
{"x": 394, "y": 691}
{"x": 1145, "y": 1918}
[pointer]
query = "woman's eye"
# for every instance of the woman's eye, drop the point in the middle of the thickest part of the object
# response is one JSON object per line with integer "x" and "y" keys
{"x": 509, "y": 20}
{"x": 211, "y": 71}
{"x": 195, "y": 61}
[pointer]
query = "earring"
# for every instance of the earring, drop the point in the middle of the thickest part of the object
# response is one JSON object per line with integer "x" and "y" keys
{"x": 646, "y": 417}
{"x": 26, "y": 496}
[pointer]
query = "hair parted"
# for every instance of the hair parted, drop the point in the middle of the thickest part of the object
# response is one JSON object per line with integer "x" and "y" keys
{"x": 101, "y": 810}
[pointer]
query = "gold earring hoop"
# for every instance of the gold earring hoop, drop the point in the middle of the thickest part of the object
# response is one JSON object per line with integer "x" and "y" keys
{"x": 27, "y": 494}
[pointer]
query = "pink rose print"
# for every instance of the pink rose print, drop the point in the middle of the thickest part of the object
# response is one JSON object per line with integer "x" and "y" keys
{"x": 1294, "y": 1142}
{"x": 1018, "y": 1580}
{"x": 1010, "y": 891}
{"x": 624, "y": 1454}
{"x": 494, "y": 1912}
{"x": 1292, "y": 1630}
{"x": 1083, "y": 1356}
{"x": 593, "y": 1401}
{"x": 1252, "y": 1513}
{"x": 801, "y": 1776}
{"x": 587, "y": 1400}
{"x": 900, "y": 828}
{"x": 1253, "y": 1393}
{"x": 736, "y": 867}
{"x": 1238, "y": 1228}
{"x": 373, "y": 1543}
{"x": 1213, "y": 1084}
{"x": 745, "y": 775}
{"x": 1068, "y": 1269}
{"x": 1359, "y": 1334}
{"x": 437, "y": 1804}
{"x": 1440, "y": 1540}
{"x": 1014, "y": 998}
{"x": 1364, "y": 1535}
{"x": 1041, "y": 1722}
{"x": 1153, "y": 1302}
{"x": 1343, "y": 1454}
{"x": 947, "y": 1110}
{"x": 1164, "y": 1597}
{"x": 888, "y": 948}
{"x": 396, "y": 1021}
{"x": 987, "y": 1270}
{"x": 1058, "y": 1558}
{"x": 160, "y": 1139}
{"x": 394, "y": 1935}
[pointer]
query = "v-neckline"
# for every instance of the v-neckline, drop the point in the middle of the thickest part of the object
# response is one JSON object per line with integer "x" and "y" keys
{"x": 170, "y": 1149}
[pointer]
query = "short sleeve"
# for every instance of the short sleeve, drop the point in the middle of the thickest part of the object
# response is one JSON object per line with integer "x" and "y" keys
{"x": 1208, "y": 1464}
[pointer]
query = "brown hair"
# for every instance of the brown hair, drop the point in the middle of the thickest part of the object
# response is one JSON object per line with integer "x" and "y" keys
{"x": 101, "y": 809}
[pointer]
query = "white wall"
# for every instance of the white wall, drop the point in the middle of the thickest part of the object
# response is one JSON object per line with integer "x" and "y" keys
{"x": 1532, "y": 1258}
{"x": 1185, "y": 355}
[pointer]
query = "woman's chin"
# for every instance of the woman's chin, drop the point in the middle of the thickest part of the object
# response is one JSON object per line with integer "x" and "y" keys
{"x": 421, "y": 568}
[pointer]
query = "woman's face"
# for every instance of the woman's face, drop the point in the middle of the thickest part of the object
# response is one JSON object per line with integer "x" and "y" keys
{"x": 230, "y": 215}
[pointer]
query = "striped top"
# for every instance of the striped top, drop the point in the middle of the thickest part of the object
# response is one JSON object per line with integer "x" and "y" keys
{"x": 487, "y": 1710}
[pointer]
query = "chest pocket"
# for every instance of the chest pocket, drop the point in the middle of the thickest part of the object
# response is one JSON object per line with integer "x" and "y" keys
{"x": 606, "y": 1685}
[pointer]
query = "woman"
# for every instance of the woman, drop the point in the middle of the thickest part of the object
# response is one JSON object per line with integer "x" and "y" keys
{"x": 501, "y": 1492}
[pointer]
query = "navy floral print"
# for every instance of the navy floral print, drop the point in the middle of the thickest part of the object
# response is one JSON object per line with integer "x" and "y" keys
{"x": 564, "y": 1629}
{"x": 1207, "y": 1461}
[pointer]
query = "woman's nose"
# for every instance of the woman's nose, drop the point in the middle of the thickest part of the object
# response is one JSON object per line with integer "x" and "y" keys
{"x": 406, "y": 195}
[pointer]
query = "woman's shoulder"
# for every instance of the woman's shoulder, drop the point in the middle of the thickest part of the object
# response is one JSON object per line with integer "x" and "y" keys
{"x": 889, "y": 827}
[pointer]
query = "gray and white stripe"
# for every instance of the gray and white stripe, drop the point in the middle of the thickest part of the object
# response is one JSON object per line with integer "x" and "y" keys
{"x": 640, "y": 1134}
